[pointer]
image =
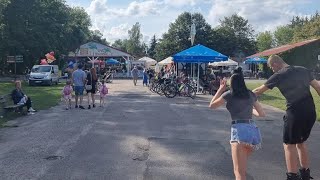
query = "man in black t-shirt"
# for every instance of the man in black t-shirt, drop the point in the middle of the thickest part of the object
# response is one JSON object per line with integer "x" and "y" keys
{"x": 294, "y": 84}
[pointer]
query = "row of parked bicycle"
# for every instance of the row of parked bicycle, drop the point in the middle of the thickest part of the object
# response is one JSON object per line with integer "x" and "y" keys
{"x": 172, "y": 87}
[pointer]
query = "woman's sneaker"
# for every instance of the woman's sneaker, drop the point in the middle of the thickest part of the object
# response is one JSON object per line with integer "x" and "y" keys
{"x": 305, "y": 174}
{"x": 31, "y": 110}
{"x": 293, "y": 176}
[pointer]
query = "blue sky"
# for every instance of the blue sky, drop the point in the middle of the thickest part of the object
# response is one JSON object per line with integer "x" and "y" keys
{"x": 115, "y": 17}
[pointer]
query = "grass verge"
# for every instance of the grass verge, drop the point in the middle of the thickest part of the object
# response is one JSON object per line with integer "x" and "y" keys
{"x": 43, "y": 97}
{"x": 274, "y": 98}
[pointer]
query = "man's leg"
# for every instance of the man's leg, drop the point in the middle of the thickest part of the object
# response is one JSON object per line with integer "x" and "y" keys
{"x": 76, "y": 98}
{"x": 304, "y": 172}
{"x": 28, "y": 103}
{"x": 303, "y": 155}
{"x": 81, "y": 99}
{"x": 291, "y": 156}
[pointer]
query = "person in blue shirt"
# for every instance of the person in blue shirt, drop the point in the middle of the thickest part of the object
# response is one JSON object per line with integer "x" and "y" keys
{"x": 145, "y": 78}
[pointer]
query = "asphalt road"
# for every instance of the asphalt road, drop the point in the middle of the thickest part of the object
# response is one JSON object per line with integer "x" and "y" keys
{"x": 139, "y": 135}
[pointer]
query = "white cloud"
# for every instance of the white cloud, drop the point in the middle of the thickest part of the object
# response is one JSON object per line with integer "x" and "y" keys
{"x": 117, "y": 32}
{"x": 263, "y": 15}
{"x": 114, "y": 20}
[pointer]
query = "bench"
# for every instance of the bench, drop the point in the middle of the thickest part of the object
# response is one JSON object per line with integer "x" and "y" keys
{"x": 7, "y": 105}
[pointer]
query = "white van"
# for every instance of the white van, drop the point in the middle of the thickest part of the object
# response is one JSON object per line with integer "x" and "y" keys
{"x": 44, "y": 74}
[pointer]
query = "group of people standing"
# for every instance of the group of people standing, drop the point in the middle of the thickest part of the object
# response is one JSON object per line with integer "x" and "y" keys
{"x": 80, "y": 82}
{"x": 294, "y": 83}
{"x": 147, "y": 75}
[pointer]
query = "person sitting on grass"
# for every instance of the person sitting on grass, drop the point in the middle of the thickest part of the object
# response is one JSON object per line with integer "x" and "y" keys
{"x": 19, "y": 97}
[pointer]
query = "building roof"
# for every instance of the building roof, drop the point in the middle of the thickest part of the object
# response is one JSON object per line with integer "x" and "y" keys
{"x": 100, "y": 50}
{"x": 281, "y": 49}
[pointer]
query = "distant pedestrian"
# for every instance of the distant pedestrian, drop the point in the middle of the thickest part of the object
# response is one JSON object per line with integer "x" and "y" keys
{"x": 145, "y": 78}
{"x": 79, "y": 80}
{"x": 103, "y": 93}
{"x": 67, "y": 94}
{"x": 135, "y": 75}
{"x": 92, "y": 80}
{"x": 241, "y": 104}
{"x": 294, "y": 84}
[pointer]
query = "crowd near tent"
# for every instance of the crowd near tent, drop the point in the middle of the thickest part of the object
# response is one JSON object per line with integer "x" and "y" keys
{"x": 199, "y": 54}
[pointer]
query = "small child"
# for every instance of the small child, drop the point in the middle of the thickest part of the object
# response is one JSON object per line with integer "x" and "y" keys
{"x": 67, "y": 94}
{"x": 103, "y": 93}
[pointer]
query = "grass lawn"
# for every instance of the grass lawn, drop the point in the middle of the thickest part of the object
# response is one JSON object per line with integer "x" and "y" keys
{"x": 43, "y": 97}
{"x": 275, "y": 98}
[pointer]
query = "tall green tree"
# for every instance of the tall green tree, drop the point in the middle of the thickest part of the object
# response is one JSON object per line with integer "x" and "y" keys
{"x": 242, "y": 32}
{"x": 309, "y": 30}
{"x": 35, "y": 27}
{"x": 3, "y": 5}
{"x": 178, "y": 36}
{"x": 135, "y": 45}
{"x": 283, "y": 35}
{"x": 120, "y": 44}
{"x": 265, "y": 41}
{"x": 97, "y": 36}
{"x": 152, "y": 48}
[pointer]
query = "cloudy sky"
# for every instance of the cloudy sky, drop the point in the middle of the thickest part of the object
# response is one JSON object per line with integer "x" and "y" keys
{"x": 114, "y": 17}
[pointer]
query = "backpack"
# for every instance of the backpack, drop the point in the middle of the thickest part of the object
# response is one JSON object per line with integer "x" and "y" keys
{"x": 104, "y": 90}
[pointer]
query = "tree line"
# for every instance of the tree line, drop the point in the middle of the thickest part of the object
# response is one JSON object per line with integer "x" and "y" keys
{"x": 299, "y": 29}
{"x": 35, "y": 27}
{"x": 234, "y": 37}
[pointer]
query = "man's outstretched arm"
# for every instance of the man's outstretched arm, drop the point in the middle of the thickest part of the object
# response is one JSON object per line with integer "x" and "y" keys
{"x": 315, "y": 84}
{"x": 260, "y": 90}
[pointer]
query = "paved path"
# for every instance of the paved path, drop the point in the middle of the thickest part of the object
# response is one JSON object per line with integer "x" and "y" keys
{"x": 139, "y": 135}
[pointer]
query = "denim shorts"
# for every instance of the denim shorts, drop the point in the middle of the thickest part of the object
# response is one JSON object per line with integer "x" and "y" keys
{"x": 246, "y": 133}
{"x": 79, "y": 90}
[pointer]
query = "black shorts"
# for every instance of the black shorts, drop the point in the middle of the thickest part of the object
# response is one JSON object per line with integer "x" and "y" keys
{"x": 298, "y": 122}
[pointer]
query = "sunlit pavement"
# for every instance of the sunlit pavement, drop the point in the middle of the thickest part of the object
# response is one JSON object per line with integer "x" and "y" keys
{"x": 139, "y": 135}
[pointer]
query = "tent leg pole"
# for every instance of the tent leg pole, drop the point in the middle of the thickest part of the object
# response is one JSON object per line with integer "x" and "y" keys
{"x": 198, "y": 77}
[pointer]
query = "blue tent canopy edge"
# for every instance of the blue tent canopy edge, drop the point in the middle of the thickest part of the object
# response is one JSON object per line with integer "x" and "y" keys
{"x": 199, "y": 53}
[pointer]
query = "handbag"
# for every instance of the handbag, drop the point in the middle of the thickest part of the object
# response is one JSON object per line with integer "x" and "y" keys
{"x": 89, "y": 86}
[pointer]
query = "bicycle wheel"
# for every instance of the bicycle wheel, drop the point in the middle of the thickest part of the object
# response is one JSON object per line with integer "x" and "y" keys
{"x": 170, "y": 91}
{"x": 191, "y": 91}
{"x": 161, "y": 89}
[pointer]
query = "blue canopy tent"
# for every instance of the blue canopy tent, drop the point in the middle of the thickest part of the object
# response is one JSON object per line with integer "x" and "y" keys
{"x": 256, "y": 60}
{"x": 112, "y": 61}
{"x": 199, "y": 54}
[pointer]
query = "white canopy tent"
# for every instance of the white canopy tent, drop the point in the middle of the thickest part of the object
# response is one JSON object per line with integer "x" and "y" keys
{"x": 230, "y": 62}
{"x": 148, "y": 61}
{"x": 166, "y": 61}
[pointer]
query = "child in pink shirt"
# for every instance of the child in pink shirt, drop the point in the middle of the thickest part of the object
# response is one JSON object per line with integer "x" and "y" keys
{"x": 67, "y": 94}
{"x": 103, "y": 93}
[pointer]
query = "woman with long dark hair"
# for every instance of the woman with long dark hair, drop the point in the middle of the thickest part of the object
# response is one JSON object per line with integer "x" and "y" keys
{"x": 245, "y": 135}
{"x": 92, "y": 80}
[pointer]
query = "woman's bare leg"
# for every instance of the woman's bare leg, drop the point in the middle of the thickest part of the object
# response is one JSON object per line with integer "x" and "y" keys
{"x": 239, "y": 157}
{"x": 93, "y": 98}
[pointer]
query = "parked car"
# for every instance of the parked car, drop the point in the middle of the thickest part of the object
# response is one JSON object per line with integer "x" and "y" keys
{"x": 44, "y": 74}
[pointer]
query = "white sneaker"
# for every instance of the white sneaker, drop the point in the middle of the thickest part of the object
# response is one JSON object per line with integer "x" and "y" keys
{"x": 31, "y": 113}
{"x": 31, "y": 110}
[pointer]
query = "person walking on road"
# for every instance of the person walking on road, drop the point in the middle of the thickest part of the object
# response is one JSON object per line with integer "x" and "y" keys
{"x": 294, "y": 84}
{"x": 79, "y": 80}
{"x": 241, "y": 104}
{"x": 92, "y": 80}
{"x": 145, "y": 78}
{"x": 135, "y": 74}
